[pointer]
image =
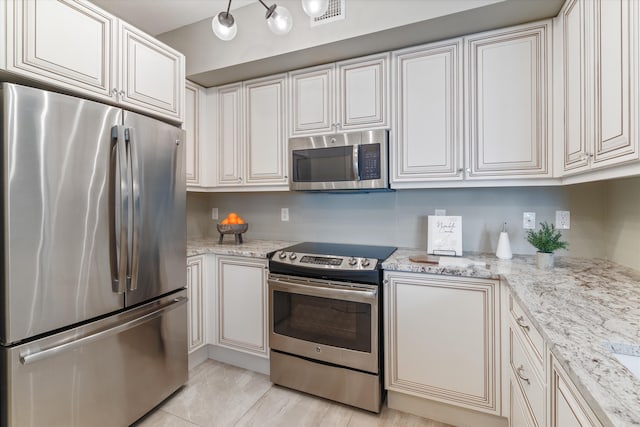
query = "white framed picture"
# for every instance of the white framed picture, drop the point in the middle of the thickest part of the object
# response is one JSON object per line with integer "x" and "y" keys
{"x": 444, "y": 235}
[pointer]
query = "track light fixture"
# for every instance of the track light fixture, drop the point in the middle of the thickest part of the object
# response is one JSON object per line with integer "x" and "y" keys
{"x": 278, "y": 18}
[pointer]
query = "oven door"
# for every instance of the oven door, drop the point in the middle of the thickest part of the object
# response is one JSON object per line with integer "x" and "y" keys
{"x": 333, "y": 322}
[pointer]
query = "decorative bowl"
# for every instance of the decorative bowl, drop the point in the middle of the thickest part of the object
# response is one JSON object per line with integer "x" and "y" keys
{"x": 235, "y": 229}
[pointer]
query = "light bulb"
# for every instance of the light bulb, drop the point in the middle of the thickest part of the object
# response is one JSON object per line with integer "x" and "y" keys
{"x": 224, "y": 26}
{"x": 315, "y": 8}
{"x": 280, "y": 21}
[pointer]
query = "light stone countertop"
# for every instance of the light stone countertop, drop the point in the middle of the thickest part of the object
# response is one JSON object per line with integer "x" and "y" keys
{"x": 250, "y": 248}
{"x": 578, "y": 307}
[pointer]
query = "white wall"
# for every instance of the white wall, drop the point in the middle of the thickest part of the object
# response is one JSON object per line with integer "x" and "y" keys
{"x": 400, "y": 218}
{"x": 622, "y": 221}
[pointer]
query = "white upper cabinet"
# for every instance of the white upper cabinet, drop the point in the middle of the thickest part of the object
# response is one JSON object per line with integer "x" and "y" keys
{"x": 77, "y": 46}
{"x": 67, "y": 43}
{"x": 427, "y": 123}
{"x": 3, "y": 35}
{"x": 265, "y": 134}
{"x": 600, "y": 78}
{"x": 251, "y": 134}
{"x": 230, "y": 136}
{"x": 348, "y": 95}
{"x": 151, "y": 73}
{"x": 192, "y": 109}
{"x": 507, "y": 103}
{"x": 312, "y": 101}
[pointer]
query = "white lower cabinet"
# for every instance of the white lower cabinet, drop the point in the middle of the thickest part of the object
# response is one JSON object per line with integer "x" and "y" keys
{"x": 241, "y": 304}
{"x": 195, "y": 309}
{"x": 567, "y": 407}
{"x": 541, "y": 393}
{"x": 442, "y": 339}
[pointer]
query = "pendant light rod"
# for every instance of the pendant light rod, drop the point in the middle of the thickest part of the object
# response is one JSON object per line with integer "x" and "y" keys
{"x": 229, "y": 7}
{"x": 270, "y": 9}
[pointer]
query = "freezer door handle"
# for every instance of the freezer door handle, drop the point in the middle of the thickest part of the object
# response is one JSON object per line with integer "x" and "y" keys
{"x": 27, "y": 359}
{"x": 118, "y": 210}
{"x": 136, "y": 181}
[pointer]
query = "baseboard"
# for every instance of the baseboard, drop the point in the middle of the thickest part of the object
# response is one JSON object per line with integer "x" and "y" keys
{"x": 239, "y": 359}
{"x": 448, "y": 414}
{"x": 198, "y": 356}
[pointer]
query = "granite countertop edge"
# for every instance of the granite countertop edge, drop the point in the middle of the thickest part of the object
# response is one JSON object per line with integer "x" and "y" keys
{"x": 250, "y": 248}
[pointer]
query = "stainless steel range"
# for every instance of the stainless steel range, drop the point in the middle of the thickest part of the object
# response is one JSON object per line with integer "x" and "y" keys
{"x": 325, "y": 314}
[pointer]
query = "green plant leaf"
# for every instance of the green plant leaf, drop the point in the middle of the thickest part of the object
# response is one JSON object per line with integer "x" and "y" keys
{"x": 547, "y": 239}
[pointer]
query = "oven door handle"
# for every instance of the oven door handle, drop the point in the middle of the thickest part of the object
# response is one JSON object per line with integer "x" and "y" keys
{"x": 325, "y": 291}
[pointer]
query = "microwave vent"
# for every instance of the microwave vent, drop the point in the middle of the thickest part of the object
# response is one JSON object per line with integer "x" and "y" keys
{"x": 335, "y": 12}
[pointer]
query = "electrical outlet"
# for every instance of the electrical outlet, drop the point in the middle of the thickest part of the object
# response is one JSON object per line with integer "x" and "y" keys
{"x": 214, "y": 213}
{"x": 284, "y": 214}
{"x": 563, "y": 220}
{"x": 441, "y": 212}
{"x": 529, "y": 220}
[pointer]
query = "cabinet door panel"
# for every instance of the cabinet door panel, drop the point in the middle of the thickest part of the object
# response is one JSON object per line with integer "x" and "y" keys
{"x": 312, "y": 102}
{"x": 195, "y": 290}
{"x": 613, "y": 35}
{"x": 265, "y": 131}
{"x": 62, "y": 42}
{"x": 152, "y": 74}
{"x": 230, "y": 135}
{"x": 363, "y": 92}
{"x": 242, "y": 302}
{"x": 575, "y": 83}
{"x": 508, "y": 135}
{"x": 192, "y": 129}
{"x": 568, "y": 408}
{"x": 456, "y": 359}
{"x": 428, "y": 113}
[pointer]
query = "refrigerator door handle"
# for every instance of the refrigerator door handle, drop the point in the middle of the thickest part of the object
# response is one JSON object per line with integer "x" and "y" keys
{"x": 137, "y": 217}
{"x": 27, "y": 359}
{"x": 118, "y": 210}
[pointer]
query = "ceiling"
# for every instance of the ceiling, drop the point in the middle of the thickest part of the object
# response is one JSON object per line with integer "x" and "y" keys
{"x": 159, "y": 16}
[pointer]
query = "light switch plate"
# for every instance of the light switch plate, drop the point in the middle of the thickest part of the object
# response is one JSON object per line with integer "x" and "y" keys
{"x": 214, "y": 213}
{"x": 284, "y": 214}
{"x": 529, "y": 220}
{"x": 440, "y": 212}
{"x": 563, "y": 220}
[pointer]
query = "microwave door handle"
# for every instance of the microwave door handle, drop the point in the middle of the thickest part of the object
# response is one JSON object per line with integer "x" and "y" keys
{"x": 356, "y": 163}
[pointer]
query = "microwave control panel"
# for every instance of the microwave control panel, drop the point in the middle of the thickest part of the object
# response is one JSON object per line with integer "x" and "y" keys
{"x": 369, "y": 161}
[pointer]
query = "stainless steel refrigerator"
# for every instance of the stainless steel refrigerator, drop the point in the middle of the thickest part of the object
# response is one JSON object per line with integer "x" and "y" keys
{"x": 93, "y": 307}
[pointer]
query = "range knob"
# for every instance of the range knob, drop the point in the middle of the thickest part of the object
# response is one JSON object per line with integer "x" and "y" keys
{"x": 292, "y": 256}
{"x": 365, "y": 262}
{"x": 352, "y": 261}
{"x": 282, "y": 255}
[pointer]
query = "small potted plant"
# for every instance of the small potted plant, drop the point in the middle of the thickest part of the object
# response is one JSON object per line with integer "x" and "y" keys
{"x": 546, "y": 241}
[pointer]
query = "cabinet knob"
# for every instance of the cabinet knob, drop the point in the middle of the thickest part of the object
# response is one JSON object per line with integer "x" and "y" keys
{"x": 114, "y": 91}
{"x": 385, "y": 281}
{"x": 520, "y": 372}
{"x": 520, "y": 321}
{"x": 121, "y": 93}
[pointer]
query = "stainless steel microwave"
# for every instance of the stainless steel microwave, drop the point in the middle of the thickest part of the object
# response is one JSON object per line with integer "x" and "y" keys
{"x": 343, "y": 161}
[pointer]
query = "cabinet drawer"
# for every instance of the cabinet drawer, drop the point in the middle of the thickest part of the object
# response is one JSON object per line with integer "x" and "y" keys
{"x": 528, "y": 376}
{"x": 529, "y": 332}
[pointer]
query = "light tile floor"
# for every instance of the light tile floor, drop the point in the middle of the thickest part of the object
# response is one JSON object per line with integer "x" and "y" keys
{"x": 221, "y": 395}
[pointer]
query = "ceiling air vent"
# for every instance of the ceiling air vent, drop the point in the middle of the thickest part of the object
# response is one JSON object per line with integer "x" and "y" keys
{"x": 335, "y": 12}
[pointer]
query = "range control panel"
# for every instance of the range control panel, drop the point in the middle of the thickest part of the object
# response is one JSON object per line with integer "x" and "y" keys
{"x": 324, "y": 261}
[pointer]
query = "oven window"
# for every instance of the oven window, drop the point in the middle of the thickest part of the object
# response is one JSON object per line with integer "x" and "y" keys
{"x": 323, "y": 164}
{"x": 328, "y": 321}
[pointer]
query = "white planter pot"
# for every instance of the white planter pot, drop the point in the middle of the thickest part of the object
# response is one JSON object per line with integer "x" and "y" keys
{"x": 544, "y": 260}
